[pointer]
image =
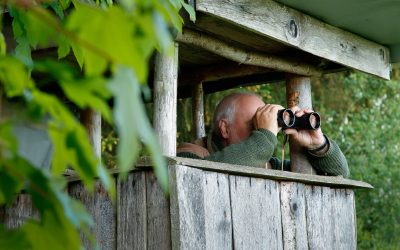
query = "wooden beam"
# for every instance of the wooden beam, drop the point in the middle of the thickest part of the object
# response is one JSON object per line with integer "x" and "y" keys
{"x": 165, "y": 98}
{"x": 319, "y": 180}
{"x": 291, "y": 27}
{"x": 298, "y": 93}
{"x": 214, "y": 72}
{"x": 242, "y": 56}
{"x": 198, "y": 111}
{"x": 92, "y": 122}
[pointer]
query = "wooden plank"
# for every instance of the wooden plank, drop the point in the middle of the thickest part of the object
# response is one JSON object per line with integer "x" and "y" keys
{"x": 158, "y": 215}
{"x": 243, "y": 56}
{"x": 256, "y": 214}
{"x": 217, "y": 207}
{"x": 15, "y": 216}
{"x": 100, "y": 206}
{"x": 92, "y": 122}
{"x": 271, "y": 174}
{"x": 319, "y": 217}
{"x": 187, "y": 208}
{"x": 165, "y": 97}
{"x": 131, "y": 212}
{"x": 293, "y": 209}
{"x": 291, "y": 27}
{"x": 330, "y": 181}
{"x": 298, "y": 93}
{"x": 198, "y": 111}
{"x": 343, "y": 212}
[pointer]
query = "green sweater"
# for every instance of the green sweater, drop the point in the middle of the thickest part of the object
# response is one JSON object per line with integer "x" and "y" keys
{"x": 258, "y": 149}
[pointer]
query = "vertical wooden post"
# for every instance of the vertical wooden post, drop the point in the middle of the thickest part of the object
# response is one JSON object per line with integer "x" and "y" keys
{"x": 198, "y": 111}
{"x": 165, "y": 98}
{"x": 298, "y": 93}
{"x": 92, "y": 122}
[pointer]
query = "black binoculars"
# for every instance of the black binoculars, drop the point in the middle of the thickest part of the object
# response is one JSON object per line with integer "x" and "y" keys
{"x": 287, "y": 119}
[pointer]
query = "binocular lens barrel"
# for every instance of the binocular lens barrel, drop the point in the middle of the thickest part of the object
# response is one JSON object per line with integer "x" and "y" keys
{"x": 287, "y": 119}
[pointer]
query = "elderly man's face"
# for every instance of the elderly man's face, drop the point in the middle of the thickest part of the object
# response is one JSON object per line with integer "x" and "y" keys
{"x": 242, "y": 125}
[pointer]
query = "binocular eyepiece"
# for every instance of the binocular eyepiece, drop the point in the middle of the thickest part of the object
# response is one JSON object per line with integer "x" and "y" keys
{"x": 287, "y": 119}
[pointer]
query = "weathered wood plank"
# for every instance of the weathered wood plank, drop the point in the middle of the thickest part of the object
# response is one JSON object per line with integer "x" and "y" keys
{"x": 100, "y": 206}
{"x": 187, "y": 208}
{"x": 131, "y": 212}
{"x": 256, "y": 214}
{"x": 293, "y": 209}
{"x": 15, "y": 216}
{"x": 319, "y": 217}
{"x": 298, "y": 93}
{"x": 239, "y": 55}
{"x": 165, "y": 97}
{"x": 92, "y": 122}
{"x": 198, "y": 111}
{"x": 276, "y": 21}
{"x": 218, "y": 222}
{"x": 158, "y": 215}
{"x": 271, "y": 174}
{"x": 344, "y": 224}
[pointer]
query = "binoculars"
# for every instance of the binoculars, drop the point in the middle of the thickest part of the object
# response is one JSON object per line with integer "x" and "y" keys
{"x": 287, "y": 119}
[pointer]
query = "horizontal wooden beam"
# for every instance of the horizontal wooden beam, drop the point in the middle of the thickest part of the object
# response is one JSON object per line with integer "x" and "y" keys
{"x": 214, "y": 72}
{"x": 318, "y": 180}
{"x": 291, "y": 27}
{"x": 242, "y": 56}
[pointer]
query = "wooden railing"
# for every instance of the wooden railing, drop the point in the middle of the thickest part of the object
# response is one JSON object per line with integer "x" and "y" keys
{"x": 215, "y": 206}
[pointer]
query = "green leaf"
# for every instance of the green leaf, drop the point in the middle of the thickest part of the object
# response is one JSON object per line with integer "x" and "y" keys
{"x": 3, "y": 45}
{"x": 14, "y": 76}
{"x": 132, "y": 123}
{"x": 189, "y": 10}
{"x": 12, "y": 239}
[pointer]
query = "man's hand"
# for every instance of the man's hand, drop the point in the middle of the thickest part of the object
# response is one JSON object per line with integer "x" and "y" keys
{"x": 310, "y": 139}
{"x": 266, "y": 117}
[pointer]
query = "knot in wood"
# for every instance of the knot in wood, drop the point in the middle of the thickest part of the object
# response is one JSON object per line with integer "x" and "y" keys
{"x": 293, "y": 30}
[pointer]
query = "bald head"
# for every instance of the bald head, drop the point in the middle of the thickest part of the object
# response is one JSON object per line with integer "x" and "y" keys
{"x": 233, "y": 116}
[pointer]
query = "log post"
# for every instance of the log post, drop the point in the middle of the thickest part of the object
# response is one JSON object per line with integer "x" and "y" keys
{"x": 198, "y": 111}
{"x": 92, "y": 122}
{"x": 298, "y": 93}
{"x": 165, "y": 98}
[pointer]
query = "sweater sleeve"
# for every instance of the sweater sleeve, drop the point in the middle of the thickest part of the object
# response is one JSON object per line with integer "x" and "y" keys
{"x": 333, "y": 162}
{"x": 255, "y": 151}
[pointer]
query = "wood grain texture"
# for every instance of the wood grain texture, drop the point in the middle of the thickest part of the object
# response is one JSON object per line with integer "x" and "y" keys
{"x": 131, "y": 212}
{"x": 165, "y": 97}
{"x": 92, "y": 122}
{"x": 319, "y": 216}
{"x": 102, "y": 210}
{"x": 198, "y": 111}
{"x": 187, "y": 215}
{"x": 158, "y": 215}
{"x": 244, "y": 56}
{"x": 344, "y": 224}
{"x": 256, "y": 214}
{"x": 270, "y": 174}
{"x": 298, "y": 93}
{"x": 293, "y": 209}
{"x": 301, "y": 31}
{"x": 218, "y": 222}
{"x": 15, "y": 215}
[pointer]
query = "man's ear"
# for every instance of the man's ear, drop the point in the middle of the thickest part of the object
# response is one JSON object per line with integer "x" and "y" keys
{"x": 223, "y": 127}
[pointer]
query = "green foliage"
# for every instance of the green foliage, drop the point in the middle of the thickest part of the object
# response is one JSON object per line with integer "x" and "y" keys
{"x": 106, "y": 50}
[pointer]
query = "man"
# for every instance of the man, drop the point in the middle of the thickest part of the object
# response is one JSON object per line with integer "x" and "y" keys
{"x": 244, "y": 133}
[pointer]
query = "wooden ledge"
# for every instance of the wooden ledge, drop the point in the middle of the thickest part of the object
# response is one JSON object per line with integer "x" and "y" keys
{"x": 318, "y": 180}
